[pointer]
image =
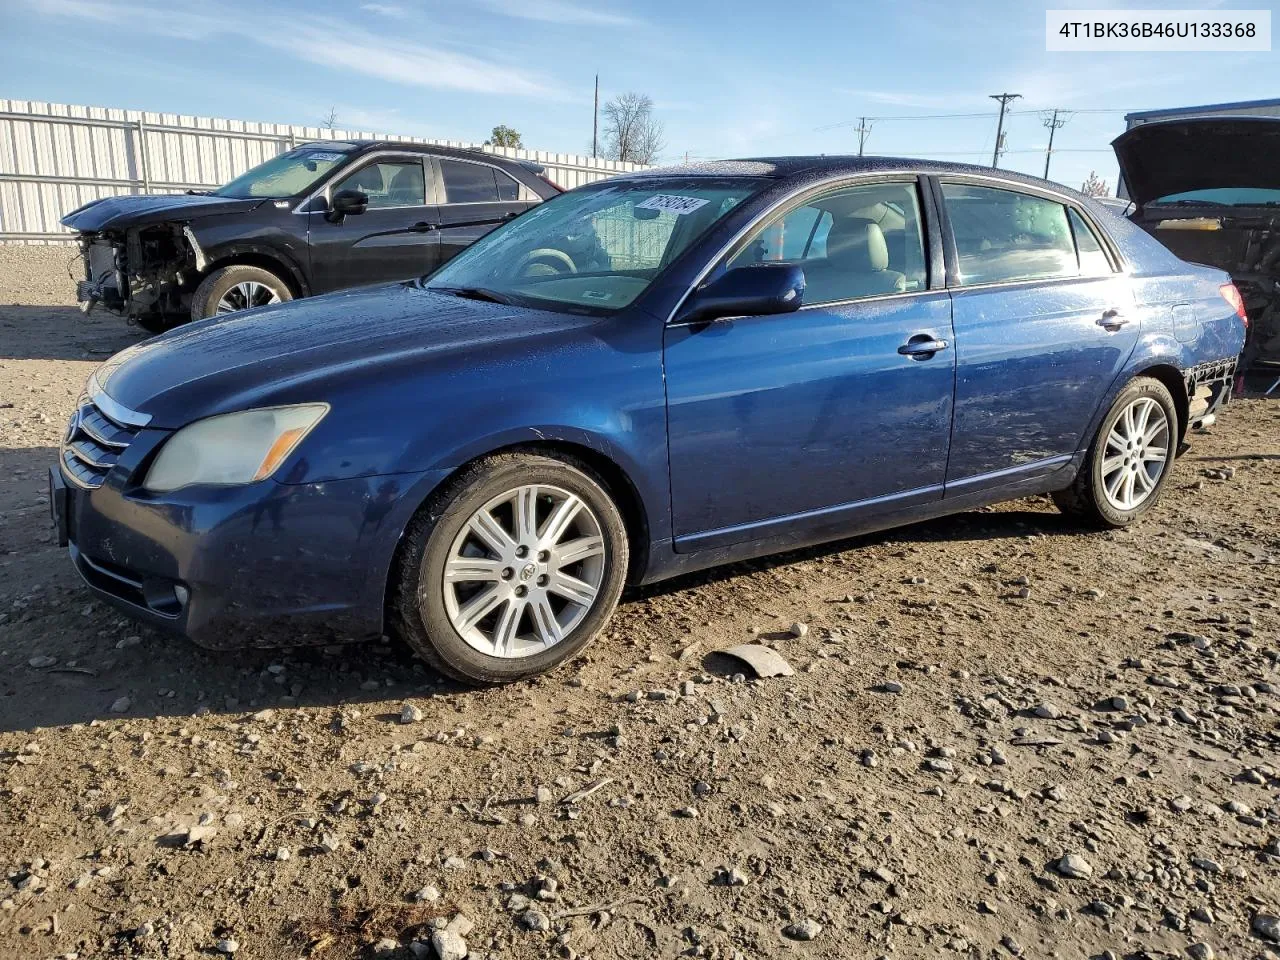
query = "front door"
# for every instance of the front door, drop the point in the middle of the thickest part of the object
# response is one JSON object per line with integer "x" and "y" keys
{"x": 475, "y": 197}
{"x": 781, "y": 425}
{"x": 1044, "y": 323}
{"x": 394, "y": 239}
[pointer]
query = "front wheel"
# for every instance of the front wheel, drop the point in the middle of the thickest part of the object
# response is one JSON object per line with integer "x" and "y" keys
{"x": 512, "y": 568}
{"x": 1129, "y": 460}
{"x": 235, "y": 288}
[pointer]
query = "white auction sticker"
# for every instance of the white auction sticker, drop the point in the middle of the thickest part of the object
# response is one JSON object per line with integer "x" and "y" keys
{"x": 331, "y": 157}
{"x": 1157, "y": 30}
{"x": 672, "y": 203}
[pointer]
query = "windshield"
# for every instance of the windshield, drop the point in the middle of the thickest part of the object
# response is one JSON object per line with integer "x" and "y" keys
{"x": 596, "y": 249}
{"x": 289, "y": 174}
{"x": 1226, "y": 196}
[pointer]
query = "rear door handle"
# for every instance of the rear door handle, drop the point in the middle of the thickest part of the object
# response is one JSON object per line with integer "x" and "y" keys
{"x": 1112, "y": 319}
{"x": 423, "y": 227}
{"x": 922, "y": 347}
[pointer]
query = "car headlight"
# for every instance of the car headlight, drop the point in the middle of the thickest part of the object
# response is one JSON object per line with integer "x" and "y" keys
{"x": 232, "y": 448}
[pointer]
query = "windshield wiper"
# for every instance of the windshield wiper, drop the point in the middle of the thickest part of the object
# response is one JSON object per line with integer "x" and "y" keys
{"x": 476, "y": 293}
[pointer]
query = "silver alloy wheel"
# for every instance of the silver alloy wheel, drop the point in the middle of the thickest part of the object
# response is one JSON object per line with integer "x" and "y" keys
{"x": 1135, "y": 455}
{"x": 242, "y": 296}
{"x": 524, "y": 571}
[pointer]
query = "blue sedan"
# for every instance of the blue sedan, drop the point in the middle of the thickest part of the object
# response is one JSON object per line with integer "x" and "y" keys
{"x": 643, "y": 377}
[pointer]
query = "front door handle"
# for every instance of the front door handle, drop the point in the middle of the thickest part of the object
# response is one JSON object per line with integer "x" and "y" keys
{"x": 922, "y": 347}
{"x": 1112, "y": 319}
{"x": 423, "y": 227}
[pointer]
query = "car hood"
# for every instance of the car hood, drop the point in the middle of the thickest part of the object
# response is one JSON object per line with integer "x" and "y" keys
{"x": 302, "y": 351}
{"x": 1172, "y": 156}
{"x": 120, "y": 213}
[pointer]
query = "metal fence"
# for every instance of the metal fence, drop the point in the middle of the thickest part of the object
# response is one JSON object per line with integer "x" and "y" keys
{"x": 55, "y": 157}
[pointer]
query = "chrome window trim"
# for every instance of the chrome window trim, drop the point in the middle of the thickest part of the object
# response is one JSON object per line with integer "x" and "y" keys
{"x": 113, "y": 410}
{"x": 825, "y": 304}
{"x": 815, "y": 186}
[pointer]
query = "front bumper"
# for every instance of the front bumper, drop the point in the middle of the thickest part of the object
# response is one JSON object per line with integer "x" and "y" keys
{"x": 268, "y": 564}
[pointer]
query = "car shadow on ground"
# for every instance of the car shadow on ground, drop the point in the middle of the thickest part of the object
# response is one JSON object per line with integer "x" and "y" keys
{"x": 63, "y": 333}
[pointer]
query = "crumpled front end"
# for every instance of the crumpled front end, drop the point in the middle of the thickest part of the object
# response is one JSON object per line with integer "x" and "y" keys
{"x": 140, "y": 272}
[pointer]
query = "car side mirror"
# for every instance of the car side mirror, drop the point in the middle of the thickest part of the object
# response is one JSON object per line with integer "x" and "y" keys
{"x": 348, "y": 202}
{"x": 754, "y": 291}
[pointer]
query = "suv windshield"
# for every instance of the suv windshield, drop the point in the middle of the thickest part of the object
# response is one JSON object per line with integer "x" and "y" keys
{"x": 595, "y": 249}
{"x": 288, "y": 174}
{"x": 1226, "y": 196}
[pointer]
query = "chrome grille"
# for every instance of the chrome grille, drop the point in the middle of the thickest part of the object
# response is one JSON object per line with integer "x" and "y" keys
{"x": 93, "y": 444}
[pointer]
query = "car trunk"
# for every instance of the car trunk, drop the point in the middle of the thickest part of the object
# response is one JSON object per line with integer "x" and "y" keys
{"x": 1180, "y": 172}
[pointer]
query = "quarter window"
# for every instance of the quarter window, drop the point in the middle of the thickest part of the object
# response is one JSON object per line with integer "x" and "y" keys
{"x": 389, "y": 183}
{"x": 1093, "y": 259}
{"x": 1003, "y": 236}
{"x": 852, "y": 242}
{"x": 476, "y": 183}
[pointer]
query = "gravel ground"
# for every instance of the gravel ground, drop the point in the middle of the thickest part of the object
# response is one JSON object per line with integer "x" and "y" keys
{"x": 1005, "y": 736}
{"x": 39, "y": 274}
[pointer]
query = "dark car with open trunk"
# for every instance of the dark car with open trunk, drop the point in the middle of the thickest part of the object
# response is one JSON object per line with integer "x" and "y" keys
{"x": 320, "y": 217}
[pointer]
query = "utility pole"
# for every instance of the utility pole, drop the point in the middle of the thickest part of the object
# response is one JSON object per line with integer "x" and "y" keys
{"x": 1005, "y": 99}
{"x": 864, "y": 129}
{"x": 595, "y": 122}
{"x": 1053, "y": 123}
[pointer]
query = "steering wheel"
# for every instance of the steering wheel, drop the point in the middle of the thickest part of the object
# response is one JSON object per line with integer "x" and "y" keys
{"x": 546, "y": 261}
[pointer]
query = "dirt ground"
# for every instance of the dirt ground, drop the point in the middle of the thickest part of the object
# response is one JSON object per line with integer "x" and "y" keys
{"x": 1006, "y": 736}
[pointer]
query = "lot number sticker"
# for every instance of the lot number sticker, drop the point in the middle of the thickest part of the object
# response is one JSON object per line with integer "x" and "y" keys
{"x": 672, "y": 204}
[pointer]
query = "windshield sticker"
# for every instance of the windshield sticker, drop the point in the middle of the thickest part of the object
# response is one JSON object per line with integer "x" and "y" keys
{"x": 672, "y": 204}
{"x": 331, "y": 157}
{"x": 597, "y": 295}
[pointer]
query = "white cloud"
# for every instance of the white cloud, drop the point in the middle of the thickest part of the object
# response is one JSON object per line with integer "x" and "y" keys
{"x": 384, "y": 9}
{"x": 559, "y": 11}
{"x": 325, "y": 41}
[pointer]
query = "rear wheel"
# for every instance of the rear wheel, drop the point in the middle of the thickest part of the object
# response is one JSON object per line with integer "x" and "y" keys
{"x": 1129, "y": 460}
{"x": 512, "y": 569}
{"x": 235, "y": 288}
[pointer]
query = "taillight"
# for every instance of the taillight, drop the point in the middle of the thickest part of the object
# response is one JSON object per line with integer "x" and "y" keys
{"x": 1232, "y": 296}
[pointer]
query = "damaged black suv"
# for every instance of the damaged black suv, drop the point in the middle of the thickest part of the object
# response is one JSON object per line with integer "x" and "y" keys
{"x": 320, "y": 217}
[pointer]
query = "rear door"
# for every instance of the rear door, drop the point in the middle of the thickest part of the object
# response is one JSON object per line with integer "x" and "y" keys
{"x": 1044, "y": 322}
{"x": 474, "y": 197}
{"x": 392, "y": 240}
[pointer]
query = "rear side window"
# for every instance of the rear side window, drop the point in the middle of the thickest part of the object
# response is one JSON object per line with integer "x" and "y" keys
{"x": 1093, "y": 259}
{"x": 476, "y": 183}
{"x": 1003, "y": 236}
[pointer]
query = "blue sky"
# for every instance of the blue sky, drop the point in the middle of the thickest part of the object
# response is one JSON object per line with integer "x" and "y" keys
{"x": 729, "y": 79}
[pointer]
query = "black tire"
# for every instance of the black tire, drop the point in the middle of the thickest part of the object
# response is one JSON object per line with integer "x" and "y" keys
{"x": 1086, "y": 498}
{"x": 417, "y": 604}
{"x": 204, "y": 302}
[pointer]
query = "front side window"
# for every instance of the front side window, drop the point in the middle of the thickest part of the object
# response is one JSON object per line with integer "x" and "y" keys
{"x": 1003, "y": 236}
{"x": 852, "y": 242}
{"x": 594, "y": 249}
{"x": 388, "y": 183}
{"x": 289, "y": 174}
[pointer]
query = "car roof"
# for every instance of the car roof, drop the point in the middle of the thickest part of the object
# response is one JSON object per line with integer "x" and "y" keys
{"x": 821, "y": 167}
{"x": 359, "y": 147}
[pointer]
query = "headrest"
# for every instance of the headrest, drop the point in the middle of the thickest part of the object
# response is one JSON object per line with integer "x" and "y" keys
{"x": 858, "y": 244}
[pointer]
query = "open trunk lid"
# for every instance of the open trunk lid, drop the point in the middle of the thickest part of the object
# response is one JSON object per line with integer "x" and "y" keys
{"x": 1200, "y": 153}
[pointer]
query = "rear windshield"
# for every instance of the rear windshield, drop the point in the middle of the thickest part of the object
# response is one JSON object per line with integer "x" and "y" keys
{"x": 1226, "y": 197}
{"x": 289, "y": 174}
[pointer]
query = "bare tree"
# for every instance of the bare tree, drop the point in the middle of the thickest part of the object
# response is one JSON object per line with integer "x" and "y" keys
{"x": 630, "y": 130}
{"x": 504, "y": 136}
{"x": 330, "y": 122}
{"x": 1095, "y": 186}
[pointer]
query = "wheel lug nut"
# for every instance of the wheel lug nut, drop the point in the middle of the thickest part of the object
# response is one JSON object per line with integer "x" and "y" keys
{"x": 543, "y": 580}
{"x": 521, "y": 591}
{"x": 522, "y": 552}
{"x": 508, "y": 573}
{"x": 543, "y": 556}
